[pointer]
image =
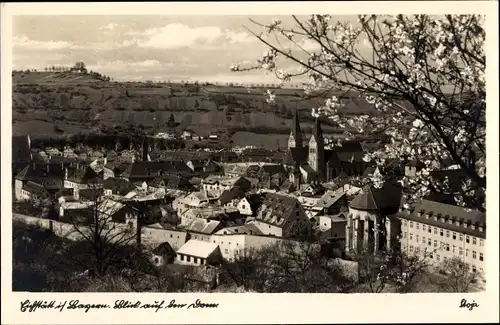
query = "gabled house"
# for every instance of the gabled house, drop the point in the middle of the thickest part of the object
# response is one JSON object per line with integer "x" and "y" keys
{"x": 231, "y": 198}
{"x": 332, "y": 202}
{"x": 281, "y": 216}
{"x": 163, "y": 254}
{"x": 50, "y": 176}
{"x": 197, "y": 252}
{"x": 33, "y": 191}
{"x": 118, "y": 212}
{"x": 201, "y": 229}
{"x": 249, "y": 205}
{"x": 117, "y": 186}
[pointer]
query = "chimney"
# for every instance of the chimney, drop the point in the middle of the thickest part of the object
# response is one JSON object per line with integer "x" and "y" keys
{"x": 105, "y": 160}
{"x": 65, "y": 173}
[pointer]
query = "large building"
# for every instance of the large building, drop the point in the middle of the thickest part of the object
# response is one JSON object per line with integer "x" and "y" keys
{"x": 314, "y": 163}
{"x": 445, "y": 231}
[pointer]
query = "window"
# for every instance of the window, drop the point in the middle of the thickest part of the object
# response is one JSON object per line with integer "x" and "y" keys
{"x": 411, "y": 236}
{"x": 182, "y": 257}
{"x": 411, "y": 248}
{"x": 474, "y": 254}
{"x": 423, "y": 240}
{"x": 453, "y": 249}
{"x": 460, "y": 251}
{"x": 430, "y": 229}
{"x": 171, "y": 235}
{"x": 473, "y": 240}
{"x": 417, "y": 225}
{"x": 461, "y": 237}
{"x": 226, "y": 251}
{"x": 455, "y": 236}
{"x": 423, "y": 227}
{"x": 474, "y": 268}
{"x": 429, "y": 242}
{"x": 438, "y": 257}
{"x": 404, "y": 234}
{"x": 481, "y": 242}
{"x": 188, "y": 258}
{"x": 466, "y": 252}
{"x": 416, "y": 239}
{"x": 467, "y": 239}
{"x": 435, "y": 231}
{"x": 435, "y": 243}
{"x": 441, "y": 232}
{"x": 447, "y": 234}
{"x": 447, "y": 247}
{"x": 431, "y": 255}
{"x": 405, "y": 223}
{"x": 411, "y": 224}
{"x": 481, "y": 257}
{"x": 195, "y": 260}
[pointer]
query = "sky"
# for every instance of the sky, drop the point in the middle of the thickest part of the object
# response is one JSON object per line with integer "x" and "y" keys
{"x": 144, "y": 47}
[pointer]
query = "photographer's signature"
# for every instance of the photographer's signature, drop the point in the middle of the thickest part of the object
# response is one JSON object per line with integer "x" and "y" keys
{"x": 469, "y": 305}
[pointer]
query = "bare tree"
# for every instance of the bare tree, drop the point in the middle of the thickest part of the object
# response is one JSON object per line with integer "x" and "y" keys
{"x": 100, "y": 237}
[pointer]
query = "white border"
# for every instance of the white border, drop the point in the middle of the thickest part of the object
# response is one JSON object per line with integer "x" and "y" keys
{"x": 261, "y": 308}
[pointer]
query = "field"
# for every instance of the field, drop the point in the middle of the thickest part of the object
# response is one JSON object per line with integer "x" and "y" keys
{"x": 81, "y": 103}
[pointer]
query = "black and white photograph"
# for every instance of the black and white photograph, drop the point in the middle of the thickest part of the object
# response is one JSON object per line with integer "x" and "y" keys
{"x": 248, "y": 153}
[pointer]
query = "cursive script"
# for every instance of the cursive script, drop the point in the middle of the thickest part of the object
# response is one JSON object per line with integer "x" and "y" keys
{"x": 468, "y": 305}
{"x": 199, "y": 304}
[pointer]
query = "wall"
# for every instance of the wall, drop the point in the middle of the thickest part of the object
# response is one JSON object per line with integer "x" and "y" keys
{"x": 155, "y": 236}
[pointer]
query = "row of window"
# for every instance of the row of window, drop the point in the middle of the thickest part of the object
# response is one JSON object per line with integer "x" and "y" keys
{"x": 445, "y": 246}
{"x": 442, "y": 233}
{"x": 438, "y": 258}
{"x": 195, "y": 259}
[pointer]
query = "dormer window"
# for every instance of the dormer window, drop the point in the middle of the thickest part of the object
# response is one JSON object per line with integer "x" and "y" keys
{"x": 457, "y": 223}
{"x": 480, "y": 229}
{"x": 420, "y": 213}
{"x": 427, "y": 216}
{"x": 473, "y": 227}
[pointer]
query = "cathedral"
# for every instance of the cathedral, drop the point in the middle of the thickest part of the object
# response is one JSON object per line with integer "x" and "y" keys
{"x": 312, "y": 163}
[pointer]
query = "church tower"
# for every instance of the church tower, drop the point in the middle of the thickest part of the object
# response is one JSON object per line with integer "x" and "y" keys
{"x": 295, "y": 139}
{"x": 316, "y": 158}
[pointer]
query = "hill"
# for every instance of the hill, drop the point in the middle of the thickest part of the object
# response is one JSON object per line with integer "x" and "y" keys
{"x": 83, "y": 103}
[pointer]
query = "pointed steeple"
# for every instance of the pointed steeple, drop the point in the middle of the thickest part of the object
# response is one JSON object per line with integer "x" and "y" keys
{"x": 295, "y": 140}
{"x": 318, "y": 132}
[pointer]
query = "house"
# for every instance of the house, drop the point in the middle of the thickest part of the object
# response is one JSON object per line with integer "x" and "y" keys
{"x": 163, "y": 254}
{"x": 230, "y": 198}
{"x": 445, "y": 231}
{"x": 201, "y": 229}
{"x": 81, "y": 177}
{"x": 248, "y": 205}
{"x": 197, "y": 252}
{"x": 332, "y": 202}
{"x": 196, "y": 165}
{"x": 281, "y": 216}
{"x": 331, "y": 227}
{"x": 117, "y": 186}
{"x": 313, "y": 189}
{"x": 117, "y": 212}
{"x": 50, "y": 176}
{"x": 218, "y": 185}
{"x": 33, "y": 191}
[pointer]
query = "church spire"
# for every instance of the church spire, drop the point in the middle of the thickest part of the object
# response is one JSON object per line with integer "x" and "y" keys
{"x": 318, "y": 132}
{"x": 295, "y": 140}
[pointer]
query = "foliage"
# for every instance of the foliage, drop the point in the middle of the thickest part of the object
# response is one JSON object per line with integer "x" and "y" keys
{"x": 458, "y": 277}
{"x": 423, "y": 74}
{"x": 286, "y": 266}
